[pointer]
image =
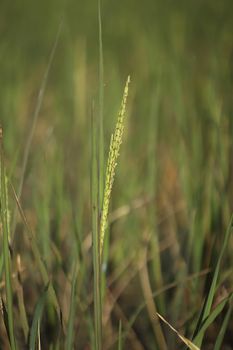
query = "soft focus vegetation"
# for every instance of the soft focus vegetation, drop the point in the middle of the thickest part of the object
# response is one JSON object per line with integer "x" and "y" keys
{"x": 168, "y": 244}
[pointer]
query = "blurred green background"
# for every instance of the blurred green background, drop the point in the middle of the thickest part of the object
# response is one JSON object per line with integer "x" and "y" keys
{"x": 177, "y": 154}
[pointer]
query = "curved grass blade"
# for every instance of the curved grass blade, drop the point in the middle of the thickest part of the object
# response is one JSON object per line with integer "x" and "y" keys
{"x": 216, "y": 311}
{"x": 219, "y": 340}
{"x": 36, "y": 320}
{"x": 199, "y": 332}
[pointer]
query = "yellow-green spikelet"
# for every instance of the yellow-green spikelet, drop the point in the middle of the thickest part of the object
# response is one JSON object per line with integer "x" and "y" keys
{"x": 114, "y": 149}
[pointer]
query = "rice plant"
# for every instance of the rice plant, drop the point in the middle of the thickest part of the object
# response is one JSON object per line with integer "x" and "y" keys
{"x": 105, "y": 245}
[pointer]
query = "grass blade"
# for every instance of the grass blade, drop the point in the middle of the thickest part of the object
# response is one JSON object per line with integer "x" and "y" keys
{"x": 120, "y": 336}
{"x": 6, "y": 252}
{"x": 21, "y": 302}
{"x": 216, "y": 311}
{"x": 101, "y": 110}
{"x": 70, "y": 327}
{"x": 186, "y": 341}
{"x": 5, "y": 318}
{"x": 95, "y": 237}
{"x": 219, "y": 340}
{"x": 199, "y": 333}
{"x": 150, "y": 303}
{"x": 36, "y": 320}
{"x": 39, "y": 340}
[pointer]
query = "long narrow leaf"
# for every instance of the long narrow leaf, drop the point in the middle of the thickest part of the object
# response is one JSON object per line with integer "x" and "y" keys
{"x": 215, "y": 312}
{"x": 199, "y": 332}
{"x": 186, "y": 341}
{"x": 219, "y": 340}
{"x": 120, "y": 336}
{"x": 6, "y": 252}
{"x": 101, "y": 110}
{"x": 70, "y": 327}
{"x": 21, "y": 303}
{"x": 36, "y": 320}
{"x": 95, "y": 237}
{"x": 5, "y": 318}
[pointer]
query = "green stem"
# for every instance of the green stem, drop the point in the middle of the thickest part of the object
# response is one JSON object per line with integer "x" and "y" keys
{"x": 95, "y": 238}
{"x": 6, "y": 253}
